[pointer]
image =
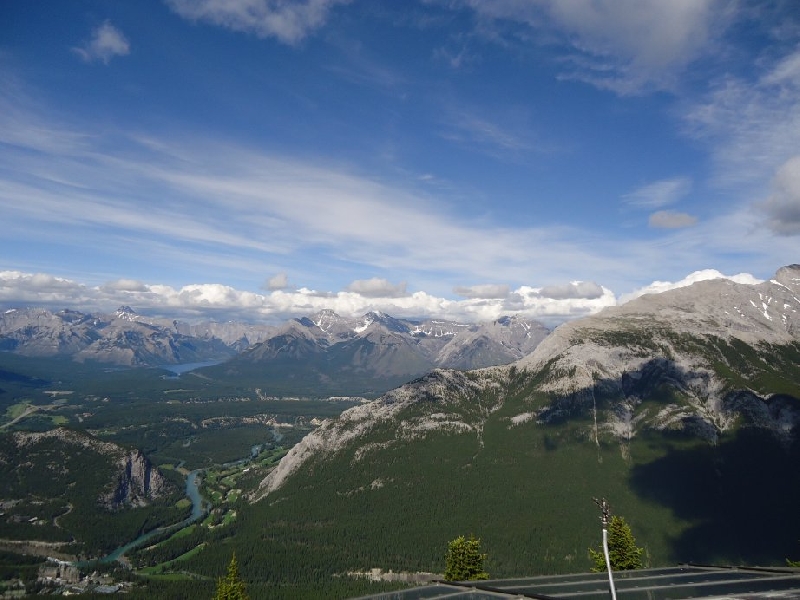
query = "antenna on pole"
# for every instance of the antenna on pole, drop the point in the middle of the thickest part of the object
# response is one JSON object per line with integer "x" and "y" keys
{"x": 605, "y": 518}
{"x": 605, "y": 511}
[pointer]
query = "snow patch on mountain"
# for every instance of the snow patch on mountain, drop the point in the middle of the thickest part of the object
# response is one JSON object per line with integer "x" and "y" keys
{"x": 522, "y": 418}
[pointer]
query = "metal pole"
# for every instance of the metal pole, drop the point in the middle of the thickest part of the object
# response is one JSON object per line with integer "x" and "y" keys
{"x": 604, "y": 519}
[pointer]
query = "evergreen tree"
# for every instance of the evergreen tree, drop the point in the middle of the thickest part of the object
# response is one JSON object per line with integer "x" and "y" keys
{"x": 464, "y": 560}
{"x": 231, "y": 587}
{"x": 623, "y": 553}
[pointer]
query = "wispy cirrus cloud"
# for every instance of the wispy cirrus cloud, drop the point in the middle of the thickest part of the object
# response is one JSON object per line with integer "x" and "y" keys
{"x": 219, "y": 201}
{"x": 106, "y": 42}
{"x": 751, "y": 125}
{"x": 659, "y": 193}
{"x": 626, "y": 46}
{"x": 466, "y": 127}
{"x": 289, "y": 22}
{"x": 194, "y": 205}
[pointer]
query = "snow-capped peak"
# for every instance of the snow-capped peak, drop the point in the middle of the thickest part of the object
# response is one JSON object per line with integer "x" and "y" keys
{"x": 126, "y": 313}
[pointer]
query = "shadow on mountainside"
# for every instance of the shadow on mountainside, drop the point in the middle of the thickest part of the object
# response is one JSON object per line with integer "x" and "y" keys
{"x": 739, "y": 490}
{"x": 742, "y": 497}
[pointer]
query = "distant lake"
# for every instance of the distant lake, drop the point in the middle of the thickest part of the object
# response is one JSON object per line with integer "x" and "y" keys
{"x": 186, "y": 367}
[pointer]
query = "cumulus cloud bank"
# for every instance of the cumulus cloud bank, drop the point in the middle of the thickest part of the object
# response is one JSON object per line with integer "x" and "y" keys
{"x": 554, "y": 304}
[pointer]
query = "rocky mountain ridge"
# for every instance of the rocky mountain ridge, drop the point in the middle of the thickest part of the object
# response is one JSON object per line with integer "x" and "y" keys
{"x": 762, "y": 314}
{"x": 122, "y": 338}
{"x": 375, "y": 342}
{"x": 332, "y": 355}
{"x": 127, "y": 338}
{"x": 430, "y": 344}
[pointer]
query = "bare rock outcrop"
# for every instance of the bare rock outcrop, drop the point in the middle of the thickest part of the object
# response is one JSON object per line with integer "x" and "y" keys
{"x": 137, "y": 483}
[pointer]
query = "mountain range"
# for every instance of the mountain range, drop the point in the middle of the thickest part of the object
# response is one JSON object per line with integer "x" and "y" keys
{"x": 324, "y": 352}
{"x": 376, "y": 352}
{"x": 681, "y": 407}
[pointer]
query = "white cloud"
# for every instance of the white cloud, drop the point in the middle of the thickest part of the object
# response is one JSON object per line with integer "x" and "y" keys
{"x": 478, "y": 132}
{"x": 665, "y": 219}
{"x": 658, "y": 287}
{"x": 42, "y": 288}
{"x": 659, "y": 193}
{"x": 377, "y": 288}
{"x": 782, "y": 208}
{"x": 107, "y": 42}
{"x": 555, "y": 304}
{"x": 278, "y": 282}
{"x": 222, "y": 301}
{"x": 577, "y": 289}
{"x": 482, "y": 291}
{"x": 289, "y": 22}
{"x": 123, "y": 285}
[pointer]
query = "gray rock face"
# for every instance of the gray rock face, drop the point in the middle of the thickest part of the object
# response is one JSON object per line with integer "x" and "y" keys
{"x": 497, "y": 343}
{"x": 137, "y": 483}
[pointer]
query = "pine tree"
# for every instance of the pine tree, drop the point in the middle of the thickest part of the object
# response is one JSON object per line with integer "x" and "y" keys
{"x": 623, "y": 553}
{"x": 231, "y": 587}
{"x": 464, "y": 560}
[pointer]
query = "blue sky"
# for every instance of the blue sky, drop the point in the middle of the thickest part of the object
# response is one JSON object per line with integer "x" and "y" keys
{"x": 454, "y": 158}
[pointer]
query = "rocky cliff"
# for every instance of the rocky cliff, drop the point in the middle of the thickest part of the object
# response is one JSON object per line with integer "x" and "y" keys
{"x": 137, "y": 483}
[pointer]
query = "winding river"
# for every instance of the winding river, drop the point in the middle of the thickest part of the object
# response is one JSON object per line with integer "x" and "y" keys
{"x": 199, "y": 510}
